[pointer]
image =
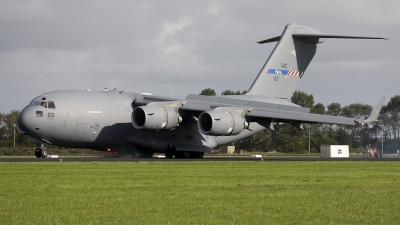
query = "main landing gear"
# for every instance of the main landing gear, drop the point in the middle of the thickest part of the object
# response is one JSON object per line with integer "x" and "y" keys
{"x": 41, "y": 152}
{"x": 171, "y": 152}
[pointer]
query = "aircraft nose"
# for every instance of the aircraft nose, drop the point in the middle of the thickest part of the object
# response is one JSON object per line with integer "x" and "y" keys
{"x": 24, "y": 121}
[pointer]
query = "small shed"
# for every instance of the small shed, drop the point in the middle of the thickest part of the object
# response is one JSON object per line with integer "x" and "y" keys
{"x": 334, "y": 151}
{"x": 227, "y": 149}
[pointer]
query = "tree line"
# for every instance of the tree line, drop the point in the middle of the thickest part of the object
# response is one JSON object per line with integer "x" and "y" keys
{"x": 286, "y": 138}
{"x": 7, "y": 131}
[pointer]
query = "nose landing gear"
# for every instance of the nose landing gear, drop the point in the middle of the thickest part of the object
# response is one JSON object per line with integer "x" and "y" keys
{"x": 41, "y": 152}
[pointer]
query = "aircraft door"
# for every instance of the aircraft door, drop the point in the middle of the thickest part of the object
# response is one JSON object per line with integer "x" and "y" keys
{"x": 80, "y": 132}
{"x": 69, "y": 124}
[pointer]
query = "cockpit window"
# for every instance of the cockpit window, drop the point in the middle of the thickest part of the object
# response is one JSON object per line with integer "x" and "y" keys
{"x": 51, "y": 105}
{"x": 45, "y": 104}
{"x": 33, "y": 103}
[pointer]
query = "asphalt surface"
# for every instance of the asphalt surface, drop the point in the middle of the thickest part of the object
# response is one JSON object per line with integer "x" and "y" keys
{"x": 205, "y": 159}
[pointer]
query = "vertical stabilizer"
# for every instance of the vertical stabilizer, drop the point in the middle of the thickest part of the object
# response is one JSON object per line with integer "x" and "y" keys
{"x": 289, "y": 60}
{"x": 286, "y": 65}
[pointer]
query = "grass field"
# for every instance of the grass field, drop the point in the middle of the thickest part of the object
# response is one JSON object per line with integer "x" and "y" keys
{"x": 200, "y": 193}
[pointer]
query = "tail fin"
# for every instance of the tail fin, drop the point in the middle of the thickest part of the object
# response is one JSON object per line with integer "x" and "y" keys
{"x": 289, "y": 60}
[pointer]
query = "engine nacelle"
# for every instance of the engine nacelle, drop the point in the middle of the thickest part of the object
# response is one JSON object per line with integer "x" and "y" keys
{"x": 220, "y": 123}
{"x": 155, "y": 118}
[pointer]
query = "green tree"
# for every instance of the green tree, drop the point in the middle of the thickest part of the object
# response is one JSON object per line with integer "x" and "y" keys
{"x": 303, "y": 99}
{"x": 321, "y": 136}
{"x": 8, "y": 122}
{"x": 356, "y": 110}
{"x": 343, "y": 138}
{"x": 318, "y": 109}
{"x": 2, "y": 128}
{"x": 231, "y": 92}
{"x": 386, "y": 123}
{"x": 359, "y": 134}
{"x": 334, "y": 109}
{"x": 7, "y": 131}
{"x": 289, "y": 139}
{"x": 208, "y": 91}
{"x": 392, "y": 111}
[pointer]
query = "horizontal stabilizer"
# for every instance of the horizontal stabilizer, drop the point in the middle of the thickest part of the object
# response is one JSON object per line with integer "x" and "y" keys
{"x": 274, "y": 39}
{"x": 277, "y": 38}
{"x": 333, "y": 36}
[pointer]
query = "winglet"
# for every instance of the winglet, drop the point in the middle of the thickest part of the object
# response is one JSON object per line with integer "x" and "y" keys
{"x": 374, "y": 114}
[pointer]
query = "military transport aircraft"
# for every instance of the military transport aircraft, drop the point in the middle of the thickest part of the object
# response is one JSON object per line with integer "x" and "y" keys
{"x": 140, "y": 124}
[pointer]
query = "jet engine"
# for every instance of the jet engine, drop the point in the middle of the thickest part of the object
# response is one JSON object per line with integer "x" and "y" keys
{"x": 155, "y": 118}
{"x": 220, "y": 123}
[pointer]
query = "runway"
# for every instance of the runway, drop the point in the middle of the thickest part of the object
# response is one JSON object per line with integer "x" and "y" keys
{"x": 205, "y": 159}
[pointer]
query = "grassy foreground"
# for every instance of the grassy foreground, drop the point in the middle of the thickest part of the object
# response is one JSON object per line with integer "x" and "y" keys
{"x": 200, "y": 193}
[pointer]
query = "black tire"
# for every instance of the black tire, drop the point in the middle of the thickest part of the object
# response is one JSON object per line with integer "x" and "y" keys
{"x": 43, "y": 152}
{"x": 193, "y": 155}
{"x": 169, "y": 154}
{"x": 38, "y": 153}
{"x": 186, "y": 155}
{"x": 199, "y": 155}
{"x": 178, "y": 155}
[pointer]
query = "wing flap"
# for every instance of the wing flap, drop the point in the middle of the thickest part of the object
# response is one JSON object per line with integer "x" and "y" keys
{"x": 282, "y": 115}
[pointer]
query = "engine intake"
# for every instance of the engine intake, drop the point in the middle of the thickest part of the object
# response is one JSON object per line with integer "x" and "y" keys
{"x": 155, "y": 118}
{"x": 220, "y": 123}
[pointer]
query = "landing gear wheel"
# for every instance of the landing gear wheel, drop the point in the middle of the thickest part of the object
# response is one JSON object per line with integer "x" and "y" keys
{"x": 186, "y": 155}
{"x": 193, "y": 155}
{"x": 178, "y": 155}
{"x": 38, "y": 153}
{"x": 43, "y": 152}
{"x": 169, "y": 154}
{"x": 199, "y": 155}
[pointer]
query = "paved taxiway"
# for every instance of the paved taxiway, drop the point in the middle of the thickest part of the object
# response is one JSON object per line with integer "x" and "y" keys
{"x": 205, "y": 159}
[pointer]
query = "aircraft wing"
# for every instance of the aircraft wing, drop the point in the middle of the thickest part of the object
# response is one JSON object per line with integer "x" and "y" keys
{"x": 254, "y": 110}
{"x": 216, "y": 112}
{"x": 202, "y": 103}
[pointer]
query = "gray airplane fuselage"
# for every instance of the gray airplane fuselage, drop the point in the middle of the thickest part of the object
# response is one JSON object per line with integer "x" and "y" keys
{"x": 101, "y": 120}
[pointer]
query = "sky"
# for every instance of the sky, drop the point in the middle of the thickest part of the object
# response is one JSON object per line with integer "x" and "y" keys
{"x": 176, "y": 48}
